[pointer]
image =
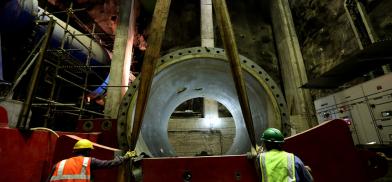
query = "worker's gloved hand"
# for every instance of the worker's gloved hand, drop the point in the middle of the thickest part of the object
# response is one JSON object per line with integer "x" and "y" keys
{"x": 259, "y": 149}
{"x": 251, "y": 155}
{"x": 130, "y": 154}
{"x": 308, "y": 168}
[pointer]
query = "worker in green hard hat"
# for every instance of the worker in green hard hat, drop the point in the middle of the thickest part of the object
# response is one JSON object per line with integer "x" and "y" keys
{"x": 78, "y": 168}
{"x": 278, "y": 165}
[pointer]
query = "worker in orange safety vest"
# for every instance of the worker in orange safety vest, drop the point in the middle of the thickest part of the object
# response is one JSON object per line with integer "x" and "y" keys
{"x": 78, "y": 168}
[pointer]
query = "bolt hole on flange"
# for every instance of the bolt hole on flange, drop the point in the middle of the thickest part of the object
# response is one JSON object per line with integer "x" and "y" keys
{"x": 204, "y": 73}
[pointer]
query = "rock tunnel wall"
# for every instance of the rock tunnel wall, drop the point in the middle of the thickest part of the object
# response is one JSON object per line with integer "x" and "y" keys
{"x": 250, "y": 21}
{"x": 325, "y": 34}
{"x": 380, "y": 16}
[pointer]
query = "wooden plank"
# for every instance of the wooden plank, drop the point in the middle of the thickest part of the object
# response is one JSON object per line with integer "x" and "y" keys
{"x": 227, "y": 34}
{"x": 156, "y": 35}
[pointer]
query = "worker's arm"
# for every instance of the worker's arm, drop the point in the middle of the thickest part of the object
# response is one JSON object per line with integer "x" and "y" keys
{"x": 302, "y": 174}
{"x": 99, "y": 164}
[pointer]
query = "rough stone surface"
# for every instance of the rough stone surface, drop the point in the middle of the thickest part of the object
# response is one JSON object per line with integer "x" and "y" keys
{"x": 325, "y": 35}
{"x": 325, "y": 38}
{"x": 183, "y": 26}
{"x": 253, "y": 33}
{"x": 251, "y": 28}
{"x": 380, "y": 16}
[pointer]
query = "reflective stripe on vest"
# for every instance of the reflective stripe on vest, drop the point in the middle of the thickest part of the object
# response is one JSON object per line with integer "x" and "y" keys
{"x": 84, "y": 174}
{"x": 277, "y": 166}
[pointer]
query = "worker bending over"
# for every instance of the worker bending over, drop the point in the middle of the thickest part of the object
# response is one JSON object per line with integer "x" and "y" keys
{"x": 277, "y": 165}
{"x": 79, "y": 168}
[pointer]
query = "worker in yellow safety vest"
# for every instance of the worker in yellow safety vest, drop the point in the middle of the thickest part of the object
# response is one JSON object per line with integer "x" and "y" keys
{"x": 78, "y": 168}
{"x": 276, "y": 165}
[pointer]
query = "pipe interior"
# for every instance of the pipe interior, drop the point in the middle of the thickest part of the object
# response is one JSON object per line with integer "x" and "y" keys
{"x": 210, "y": 78}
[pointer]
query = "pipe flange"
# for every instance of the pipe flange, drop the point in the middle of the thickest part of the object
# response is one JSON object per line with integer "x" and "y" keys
{"x": 106, "y": 125}
{"x": 272, "y": 90}
{"x": 88, "y": 126}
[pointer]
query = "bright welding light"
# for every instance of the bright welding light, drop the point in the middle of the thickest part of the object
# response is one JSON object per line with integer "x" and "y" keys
{"x": 371, "y": 143}
{"x": 216, "y": 122}
{"x": 347, "y": 120}
{"x": 212, "y": 122}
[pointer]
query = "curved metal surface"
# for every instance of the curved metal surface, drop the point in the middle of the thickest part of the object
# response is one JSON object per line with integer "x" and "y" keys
{"x": 18, "y": 14}
{"x": 202, "y": 72}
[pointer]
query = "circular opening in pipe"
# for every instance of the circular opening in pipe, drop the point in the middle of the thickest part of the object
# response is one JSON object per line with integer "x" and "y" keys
{"x": 191, "y": 76}
{"x": 201, "y": 127}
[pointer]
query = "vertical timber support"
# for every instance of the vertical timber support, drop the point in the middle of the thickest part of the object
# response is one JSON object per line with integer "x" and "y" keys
{"x": 120, "y": 67}
{"x": 206, "y": 24}
{"x": 226, "y": 31}
{"x": 122, "y": 54}
{"x": 207, "y": 40}
{"x": 156, "y": 34}
{"x": 300, "y": 105}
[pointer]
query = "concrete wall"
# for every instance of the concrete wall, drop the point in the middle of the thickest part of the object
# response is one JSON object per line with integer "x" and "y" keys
{"x": 189, "y": 137}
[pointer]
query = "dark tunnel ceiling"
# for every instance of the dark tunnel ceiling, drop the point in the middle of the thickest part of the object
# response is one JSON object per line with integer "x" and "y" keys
{"x": 104, "y": 13}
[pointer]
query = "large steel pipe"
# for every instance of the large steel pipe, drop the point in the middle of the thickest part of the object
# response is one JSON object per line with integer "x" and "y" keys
{"x": 19, "y": 14}
{"x": 202, "y": 72}
{"x": 16, "y": 15}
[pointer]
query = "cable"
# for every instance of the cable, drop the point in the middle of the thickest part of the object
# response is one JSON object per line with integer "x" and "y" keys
{"x": 46, "y": 129}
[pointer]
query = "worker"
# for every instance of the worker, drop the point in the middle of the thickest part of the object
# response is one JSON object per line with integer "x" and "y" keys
{"x": 79, "y": 168}
{"x": 276, "y": 165}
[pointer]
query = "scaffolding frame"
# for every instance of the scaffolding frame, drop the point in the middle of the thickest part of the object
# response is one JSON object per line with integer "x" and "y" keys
{"x": 64, "y": 64}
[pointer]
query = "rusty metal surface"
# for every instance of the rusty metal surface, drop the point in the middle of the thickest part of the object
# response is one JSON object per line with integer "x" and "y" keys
{"x": 205, "y": 169}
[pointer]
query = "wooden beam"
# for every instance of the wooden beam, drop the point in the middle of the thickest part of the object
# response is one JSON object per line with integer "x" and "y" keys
{"x": 120, "y": 64}
{"x": 156, "y": 34}
{"x": 227, "y": 34}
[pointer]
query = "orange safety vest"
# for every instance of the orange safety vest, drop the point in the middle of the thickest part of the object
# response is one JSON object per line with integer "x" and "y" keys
{"x": 75, "y": 169}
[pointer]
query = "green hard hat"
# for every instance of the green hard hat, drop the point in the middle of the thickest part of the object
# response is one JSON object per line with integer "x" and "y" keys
{"x": 272, "y": 135}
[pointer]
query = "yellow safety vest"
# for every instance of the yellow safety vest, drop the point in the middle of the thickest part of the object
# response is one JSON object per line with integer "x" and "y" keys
{"x": 277, "y": 166}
